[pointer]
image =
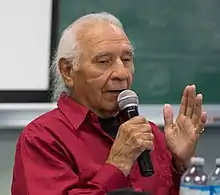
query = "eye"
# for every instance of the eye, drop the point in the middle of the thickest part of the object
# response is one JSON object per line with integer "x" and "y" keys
{"x": 103, "y": 61}
{"x": 127, "y": 59}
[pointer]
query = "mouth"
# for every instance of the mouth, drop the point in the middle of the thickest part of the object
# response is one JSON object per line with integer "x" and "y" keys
{"x": 116, "y": 91}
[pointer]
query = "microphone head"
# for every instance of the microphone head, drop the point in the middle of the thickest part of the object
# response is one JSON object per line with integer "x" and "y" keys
{"x": 127, "y": 98}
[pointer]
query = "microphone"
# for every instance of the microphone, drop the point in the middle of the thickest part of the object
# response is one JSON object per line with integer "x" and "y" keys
{"x": 128, "y": 105}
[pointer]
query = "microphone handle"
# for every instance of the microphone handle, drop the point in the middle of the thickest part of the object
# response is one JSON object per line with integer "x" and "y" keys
{"x": 144, "y": 160}
{"x": 145, "y": 164}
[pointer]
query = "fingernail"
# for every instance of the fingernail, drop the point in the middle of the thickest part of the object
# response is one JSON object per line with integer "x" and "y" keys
{"x": 200, "y": 96}
{"x": 204, "y": 118}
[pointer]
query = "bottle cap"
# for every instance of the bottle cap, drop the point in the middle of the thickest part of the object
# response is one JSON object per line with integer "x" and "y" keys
{"x": 197, "y": 161}
{"x": 217, "y": 161}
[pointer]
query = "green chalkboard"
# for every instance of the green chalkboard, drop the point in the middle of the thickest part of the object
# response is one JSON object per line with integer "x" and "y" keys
{"x": 177, "y": 43}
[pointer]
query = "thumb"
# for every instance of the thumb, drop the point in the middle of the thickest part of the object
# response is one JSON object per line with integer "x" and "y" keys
{"x": 167, "y": 115}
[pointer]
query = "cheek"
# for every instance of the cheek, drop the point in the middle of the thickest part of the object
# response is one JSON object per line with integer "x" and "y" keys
{"x": 130, "y": 78}
{"x": 97, "y": 80}
{"x": 89, "y": 77}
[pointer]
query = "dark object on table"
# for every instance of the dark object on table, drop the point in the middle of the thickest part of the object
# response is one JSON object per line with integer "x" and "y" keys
{"x": 127, "y": 191}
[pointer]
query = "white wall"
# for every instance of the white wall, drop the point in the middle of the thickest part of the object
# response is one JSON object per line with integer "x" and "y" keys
{"x": 25, "y": 27}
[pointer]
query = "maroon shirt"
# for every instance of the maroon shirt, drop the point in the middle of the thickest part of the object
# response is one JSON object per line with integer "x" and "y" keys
{"x": 64, "y": 152}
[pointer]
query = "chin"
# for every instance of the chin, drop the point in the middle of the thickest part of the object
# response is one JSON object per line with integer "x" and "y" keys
{"x": 112, "y": 106}
{"x": 111, "y": 110}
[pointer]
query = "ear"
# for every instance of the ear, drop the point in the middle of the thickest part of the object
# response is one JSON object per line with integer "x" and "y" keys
{"x": 66, "y": 71}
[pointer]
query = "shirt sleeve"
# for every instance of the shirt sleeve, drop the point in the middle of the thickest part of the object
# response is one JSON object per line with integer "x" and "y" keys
{"x": 40, "y": 168}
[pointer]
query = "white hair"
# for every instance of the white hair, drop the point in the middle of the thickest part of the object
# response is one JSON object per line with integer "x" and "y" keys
{"x": 69, "y": 48}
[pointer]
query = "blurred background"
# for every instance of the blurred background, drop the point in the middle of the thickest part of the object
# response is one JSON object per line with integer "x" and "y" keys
{"x": 176, "y": 43}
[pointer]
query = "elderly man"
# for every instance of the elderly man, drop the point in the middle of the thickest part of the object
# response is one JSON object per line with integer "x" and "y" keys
{"x": 80, "y": 147}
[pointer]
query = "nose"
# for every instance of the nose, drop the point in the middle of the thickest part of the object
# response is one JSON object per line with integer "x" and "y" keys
{"x": 120, "y": 72}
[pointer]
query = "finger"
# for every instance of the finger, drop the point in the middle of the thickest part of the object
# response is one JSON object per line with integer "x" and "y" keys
{"x": 191, "y": 101}
{"x": 138, "y": 120}
{"x": 197, "y": 109}
{"x": 168, "y": 115}
{"x": 147, "y": 136}
{"x": 145, "y": 144}
{"x": 148, "y": 145}
{"x": 183, "y": 103}
{"x": 141, "y": 138}
{"x": 145, "y": 128}
{"x": 200, "y": 126}
{"x": 140, "y": 128}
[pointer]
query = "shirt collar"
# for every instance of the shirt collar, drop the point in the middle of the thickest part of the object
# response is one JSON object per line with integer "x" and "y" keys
{"x": 75, "y": 113}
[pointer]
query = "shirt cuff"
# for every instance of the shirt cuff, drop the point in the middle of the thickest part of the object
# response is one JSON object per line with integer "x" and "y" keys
{"x": 111, "y": 178}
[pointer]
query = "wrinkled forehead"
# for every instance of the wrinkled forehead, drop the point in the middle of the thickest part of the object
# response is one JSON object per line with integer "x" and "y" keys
{"x": 103, "y": 37}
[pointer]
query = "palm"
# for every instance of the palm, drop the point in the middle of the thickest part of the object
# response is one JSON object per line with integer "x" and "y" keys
{"x": 181, "y": 137}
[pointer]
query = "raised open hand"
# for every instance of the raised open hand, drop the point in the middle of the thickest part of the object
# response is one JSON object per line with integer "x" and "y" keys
{"x": 182, "y": 135}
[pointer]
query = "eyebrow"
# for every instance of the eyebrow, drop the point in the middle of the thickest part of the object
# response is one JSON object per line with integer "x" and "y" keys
{"x": 103, "y": 54}
{"x": 129, "y": 52}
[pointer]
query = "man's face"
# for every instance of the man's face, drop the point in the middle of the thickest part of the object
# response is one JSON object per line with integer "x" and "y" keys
{"x": 106, "y": 68}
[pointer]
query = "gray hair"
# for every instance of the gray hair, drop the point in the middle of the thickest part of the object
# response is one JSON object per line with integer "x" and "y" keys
{"x": 69, "y": 48}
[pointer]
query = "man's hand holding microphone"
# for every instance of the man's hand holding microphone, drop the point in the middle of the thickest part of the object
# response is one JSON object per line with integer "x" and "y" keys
{"x": 133, "y": 138}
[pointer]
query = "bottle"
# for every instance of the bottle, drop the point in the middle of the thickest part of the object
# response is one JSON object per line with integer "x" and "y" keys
{"x": 194, "y": 181}
{"x": 214, "y": 179}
